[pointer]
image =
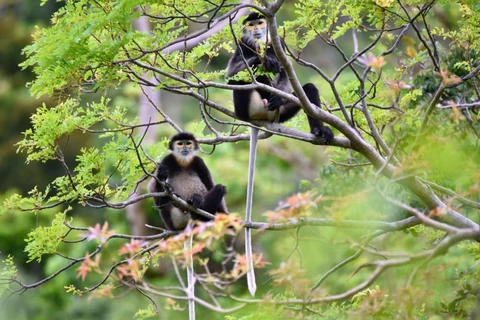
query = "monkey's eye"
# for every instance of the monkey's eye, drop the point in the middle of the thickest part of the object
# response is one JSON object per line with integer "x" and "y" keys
{"x": 250, "y": 27}
{"x": 188, "y": 144}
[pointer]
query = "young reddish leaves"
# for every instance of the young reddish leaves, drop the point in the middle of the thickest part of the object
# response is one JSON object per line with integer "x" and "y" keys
{"x": 88, "y": 265}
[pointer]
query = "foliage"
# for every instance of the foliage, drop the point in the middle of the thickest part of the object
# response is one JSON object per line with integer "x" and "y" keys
{"x": 384, "y": 226}
{"x": 9, "y": 271}
{"x": 45, "y": 240}
{"x": 146, "y": 313}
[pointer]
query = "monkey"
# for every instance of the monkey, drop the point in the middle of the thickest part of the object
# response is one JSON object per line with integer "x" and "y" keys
{"x": 261, "y": 105}
{"x": 186, "y": 174}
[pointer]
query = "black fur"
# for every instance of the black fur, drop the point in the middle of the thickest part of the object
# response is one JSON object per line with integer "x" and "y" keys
{"x": 182, "y": 136}
{"x": 252, "y": 16}
{"x": 243, "y": 99}
{"x": 169, "y": 170}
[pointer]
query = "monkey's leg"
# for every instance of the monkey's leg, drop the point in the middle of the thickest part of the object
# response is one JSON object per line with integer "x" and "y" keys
{"x": 316, "y": 126}
{"x": 211, "y": 201}
{"x": 252, "y": 286}
{"x": 166, "y": 212}
{"x": 241, "y": 102}
{"x": 288, "y": 111}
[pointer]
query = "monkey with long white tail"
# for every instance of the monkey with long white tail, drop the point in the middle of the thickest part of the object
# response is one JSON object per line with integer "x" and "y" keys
{"x": 254, "y": 52}
{"x": 184, "y": 173}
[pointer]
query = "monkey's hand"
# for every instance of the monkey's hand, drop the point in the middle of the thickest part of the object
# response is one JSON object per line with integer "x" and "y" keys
{"x": 169, "y": 189}
{"x": 254, "y": 61}
{"x": 162, "y": 175}
{"x": 324, "y": 132}
{"x": 195, "y": 200}
{"x": 274, "y": 102}
{"x": 272, "y": 64}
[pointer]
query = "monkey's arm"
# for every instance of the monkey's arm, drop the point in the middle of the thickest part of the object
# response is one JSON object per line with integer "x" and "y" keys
{"x": 245, "y": 50}
{"x": 161, "y": 173}
{"x": 282, "y": 83}
{"x": 165, "y": 168}
{"x": 237, "y": 64}
{"x": 271, "y": 62}
{"x": 203, "y": 173}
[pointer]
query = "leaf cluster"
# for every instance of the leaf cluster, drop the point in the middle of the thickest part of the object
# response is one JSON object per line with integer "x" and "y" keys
{"x": 45, "y": 240}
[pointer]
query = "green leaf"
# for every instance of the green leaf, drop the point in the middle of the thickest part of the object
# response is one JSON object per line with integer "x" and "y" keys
{"x": 45, "y": 240}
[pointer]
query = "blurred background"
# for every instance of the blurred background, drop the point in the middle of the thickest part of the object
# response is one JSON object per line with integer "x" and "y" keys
{"x": 18, "y": 18}
{"x": 283, "y": 168}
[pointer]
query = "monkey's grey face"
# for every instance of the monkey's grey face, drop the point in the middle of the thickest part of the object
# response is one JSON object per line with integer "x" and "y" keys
{"x": 184, "y": 150}
{"x": 184, "y": 147}
{"x": 256, "y": 29}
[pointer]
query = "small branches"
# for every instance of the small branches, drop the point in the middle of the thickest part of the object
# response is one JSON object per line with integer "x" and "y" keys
{"x": 396, "y": 189}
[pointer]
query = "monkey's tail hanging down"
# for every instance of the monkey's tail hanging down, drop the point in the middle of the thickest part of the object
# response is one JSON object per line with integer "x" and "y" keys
{"x": 252, "y": 286}
{"x": 187, "y": 246}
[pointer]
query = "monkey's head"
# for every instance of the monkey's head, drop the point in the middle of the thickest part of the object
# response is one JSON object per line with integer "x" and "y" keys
{"x": 184, "y": 147}
{"x": 255, "y": 26}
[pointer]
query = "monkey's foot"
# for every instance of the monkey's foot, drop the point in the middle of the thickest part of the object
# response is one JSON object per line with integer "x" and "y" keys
{"x": 323, "y": 132}
{"x": 195, "y": 200}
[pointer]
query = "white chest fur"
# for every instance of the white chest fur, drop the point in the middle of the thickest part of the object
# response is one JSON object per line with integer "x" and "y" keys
{"x": 186, "y": 183}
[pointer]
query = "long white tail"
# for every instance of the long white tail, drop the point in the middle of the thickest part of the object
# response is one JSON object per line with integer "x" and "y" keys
{"x": 252, "y": 286}
{"x": 187, "y": 245}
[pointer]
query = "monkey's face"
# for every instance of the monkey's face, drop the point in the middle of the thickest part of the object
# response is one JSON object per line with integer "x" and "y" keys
{"x": 256, "y": 29}
{"x": 184, "y": 147}
{"x": 184, "y": 151}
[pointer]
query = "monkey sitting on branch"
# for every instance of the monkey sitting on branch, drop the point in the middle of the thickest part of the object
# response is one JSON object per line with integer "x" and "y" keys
{"x": 186, "y": 175}
{"x": 255, "y": 53}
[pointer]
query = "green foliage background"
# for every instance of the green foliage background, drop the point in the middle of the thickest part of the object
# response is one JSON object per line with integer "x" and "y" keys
{"x": 55, "y": 119}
